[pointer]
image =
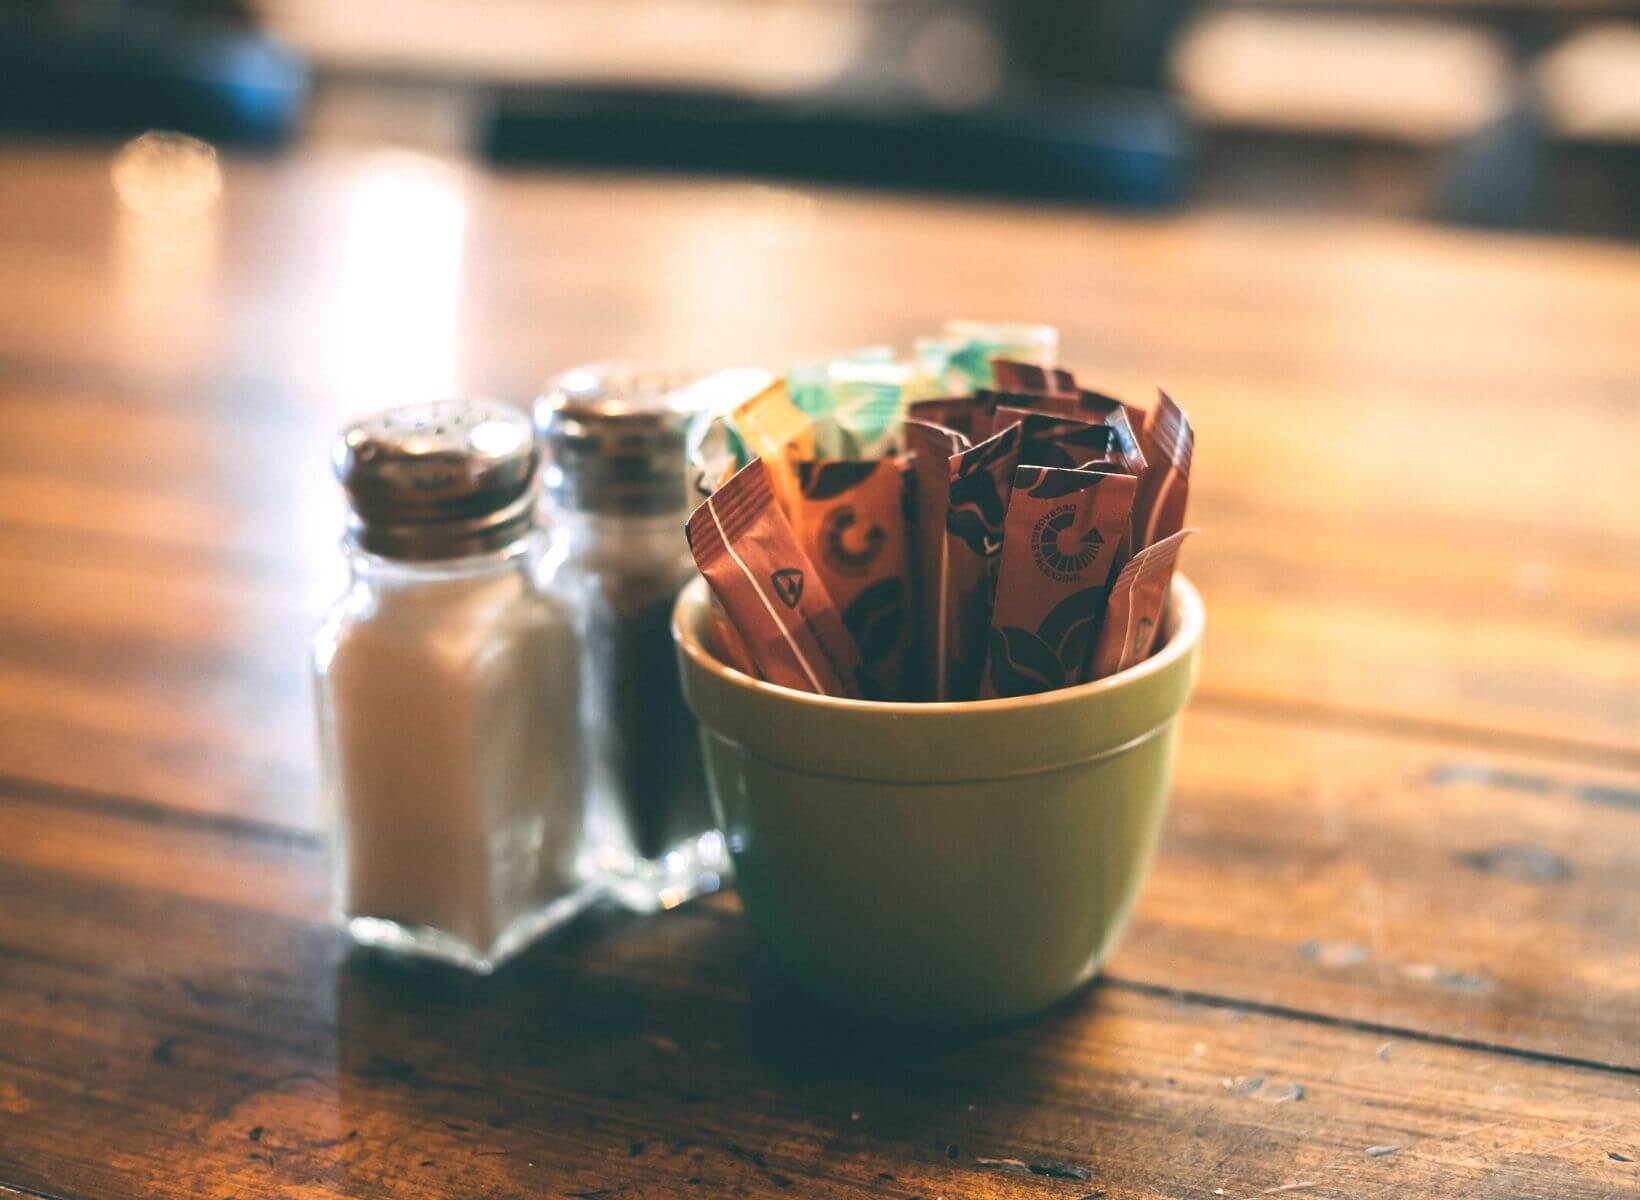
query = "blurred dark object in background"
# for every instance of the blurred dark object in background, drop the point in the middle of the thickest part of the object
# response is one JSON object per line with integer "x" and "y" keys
{"x": 1499, "y": 113}
{"x": 1121, "y": 148}
{"x": 1502, "y": 113}
{"x": 1028, "y": 99}
{"x": 113, "y": 70}
{"x": 1123, "y": 43}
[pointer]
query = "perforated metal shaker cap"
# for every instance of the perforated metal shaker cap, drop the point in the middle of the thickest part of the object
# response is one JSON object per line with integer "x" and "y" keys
{"x": 439, "y": 480}
{"x": 613, "y": 437}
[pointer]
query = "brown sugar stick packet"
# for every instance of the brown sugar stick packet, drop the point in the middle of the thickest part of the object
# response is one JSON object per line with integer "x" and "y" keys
{"x": 1059, "y": 391}
{"x": 1050, "y": 441}
{"x": 1125, "y": 450}
{"x": 1007, "y": 375}
{"x": 930, "y": 446}
{"x": 1133, "y": 616}
{"x": 1025, "y": 385}
{"x": 1094, "y": 404}
{"x": 1046, "y": 440}
{"x": 851, "y": 523}
{"x": 1059, "y": 547}
{"x": 773, "y": 595}
{"x": 962, "y": 499}
{"x": 953, "y": 412}
{"x": 994, "y": 407}
{"x": 726, "y": 639}
{"x": 982, "y": 479}
{"x": 1164, "y": 489}
{"x": 994, "y": 411}
{"x": 1104, "y": 445}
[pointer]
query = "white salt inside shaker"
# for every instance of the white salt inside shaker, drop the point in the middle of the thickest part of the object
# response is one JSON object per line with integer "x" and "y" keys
{"x": 448, "y": 695}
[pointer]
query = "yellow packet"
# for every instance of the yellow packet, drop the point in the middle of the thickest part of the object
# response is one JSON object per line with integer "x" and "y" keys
{"x": 777, "y": 431}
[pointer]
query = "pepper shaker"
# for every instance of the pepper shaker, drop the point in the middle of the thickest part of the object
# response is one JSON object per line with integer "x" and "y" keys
{"x": 447, "y": 695}
{"x": 617, "y": 556}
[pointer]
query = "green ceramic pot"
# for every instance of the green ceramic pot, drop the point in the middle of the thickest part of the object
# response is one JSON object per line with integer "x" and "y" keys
{"x": 940, "y": 864}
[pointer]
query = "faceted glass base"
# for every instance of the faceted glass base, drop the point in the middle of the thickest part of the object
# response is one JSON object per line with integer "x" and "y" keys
{"x": 425, "y": 942}
{"x": 692, "y": 868}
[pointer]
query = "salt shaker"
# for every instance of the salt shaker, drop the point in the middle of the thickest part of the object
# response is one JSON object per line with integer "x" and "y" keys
{"x": 615, "y": 467}
{"x": 448, "y": 694}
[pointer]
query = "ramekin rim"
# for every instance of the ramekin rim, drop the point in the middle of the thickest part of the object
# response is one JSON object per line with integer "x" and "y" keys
{"x": 1186, "y": 605}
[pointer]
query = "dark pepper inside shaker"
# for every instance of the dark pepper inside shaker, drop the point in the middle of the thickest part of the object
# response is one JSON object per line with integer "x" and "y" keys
{"x": 613, "y": 439}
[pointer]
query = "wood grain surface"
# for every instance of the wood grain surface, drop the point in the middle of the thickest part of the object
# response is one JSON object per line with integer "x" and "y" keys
{"x": 216, "y": 1034}
{"x": 1390, "y": 944}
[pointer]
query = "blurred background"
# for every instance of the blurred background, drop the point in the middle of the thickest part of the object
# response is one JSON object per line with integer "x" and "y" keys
{"x": 1502, "y": 113}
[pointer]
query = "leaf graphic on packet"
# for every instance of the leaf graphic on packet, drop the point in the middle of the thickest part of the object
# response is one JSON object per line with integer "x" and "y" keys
{"x": 1060, "y": 541}
{"x": 1071, "y": 626}
{"x": 1022, "y": 664}
{"x": 876, "y": 618}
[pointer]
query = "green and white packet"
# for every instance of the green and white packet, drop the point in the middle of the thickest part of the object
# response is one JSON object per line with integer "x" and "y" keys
{"x": 854, "y": 401}
{"x": 808, "y": 385}
{"x": 958, "y": 361}
{"x": 715, "y": 451}
{"x": 868, "y": 400}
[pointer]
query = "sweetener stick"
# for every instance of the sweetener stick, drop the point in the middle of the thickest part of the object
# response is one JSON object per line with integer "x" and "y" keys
{"x": 773, "y": 595}
{"x": 962, "y": 499}
{"x": 1095, "y": 405}
{"x": 851, "y": 523}
{"x": 955, "y": 413}
{"x": 1048, "y": 440}
{"x": 726, "y": 640}
{"x": 1009, "y": 375}
{"x": 1058, "y": 550}
{"x": 1133, "y": 618}
{"x": 1125, "y": 449}
{"x": 1164, "y": 489}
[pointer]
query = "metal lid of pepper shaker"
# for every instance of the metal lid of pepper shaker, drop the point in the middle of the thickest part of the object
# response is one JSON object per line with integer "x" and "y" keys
{"x": 439, "y": 480}
{"x": 613, "y": 436}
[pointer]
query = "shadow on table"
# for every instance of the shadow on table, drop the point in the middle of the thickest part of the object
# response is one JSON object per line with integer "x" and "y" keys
{"x": 632, "y": 1038}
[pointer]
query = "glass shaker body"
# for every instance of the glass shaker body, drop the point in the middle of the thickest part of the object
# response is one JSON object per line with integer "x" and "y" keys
{"x": 650, "y": 835}
{"x": 448, "y": 710}
{"x": 448, "y": 695}
{"x": 613, "y": 453}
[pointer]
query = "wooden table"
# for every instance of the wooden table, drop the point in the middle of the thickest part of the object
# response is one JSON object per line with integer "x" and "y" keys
{"x": 1391, "y": 947}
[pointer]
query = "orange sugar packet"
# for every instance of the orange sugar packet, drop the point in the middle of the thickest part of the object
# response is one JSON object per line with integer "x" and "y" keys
{"x": 773, "y": 595}
{"x": 1063, "y": 532}
{"x": 961, "y": 502}
{"x": 851, "y": 523}
{"x": 1164, "y": 490}
{"x": 1133, "y": 616}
